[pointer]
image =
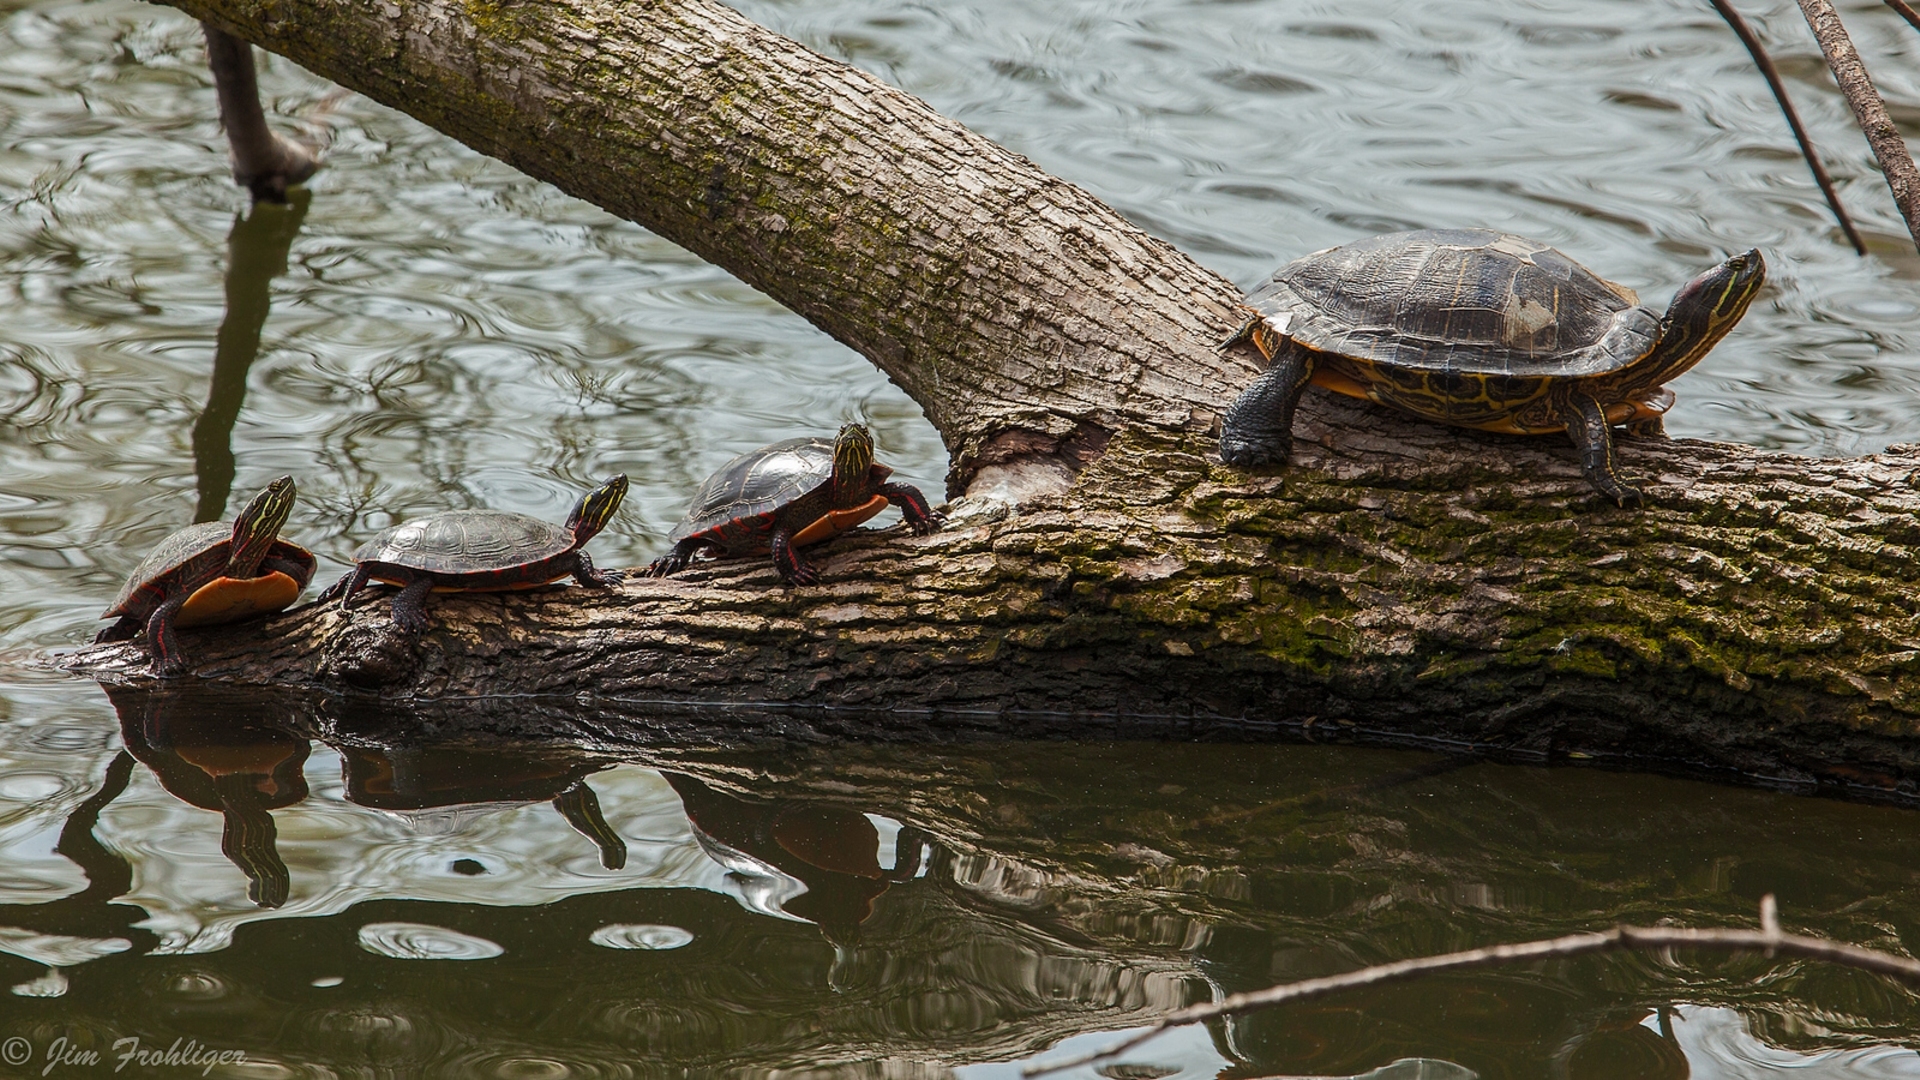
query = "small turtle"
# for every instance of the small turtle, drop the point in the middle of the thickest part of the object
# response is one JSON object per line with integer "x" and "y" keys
{"x": 1479, "y": 329}
{"x": 480, "y": 551}
{"x": 214, "y": 572}
{"x": 782, "y": 497}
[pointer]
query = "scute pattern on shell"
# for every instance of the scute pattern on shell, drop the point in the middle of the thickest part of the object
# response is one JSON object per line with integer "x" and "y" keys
{"x": 170, "y": 555}
{"x": 1472, "y": 301}
{"x": 758, "y": 482}
{"x": 467, "y": 541}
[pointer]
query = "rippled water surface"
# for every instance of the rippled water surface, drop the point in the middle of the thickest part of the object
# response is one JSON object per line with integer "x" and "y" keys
{"x": 435, "y": 331}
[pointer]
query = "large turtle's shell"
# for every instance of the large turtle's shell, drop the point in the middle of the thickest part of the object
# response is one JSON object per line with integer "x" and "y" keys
{"x": 756, "y": 483}
{"x": 1470, "y": 301}
{"x": 468, "y": 542}
{"x": 207, "y": 545}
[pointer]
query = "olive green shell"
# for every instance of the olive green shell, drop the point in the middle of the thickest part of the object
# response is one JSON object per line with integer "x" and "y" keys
{"x": 1461, "y": 301}
{"x": 456, "y": 542}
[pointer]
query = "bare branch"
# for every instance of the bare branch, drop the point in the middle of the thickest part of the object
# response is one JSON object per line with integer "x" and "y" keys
{"x": 1869, "y": 109}
{"x": 1906, "y": 12}
{"x": 1769, "y": 939}
{"x": 1807, "y": 151}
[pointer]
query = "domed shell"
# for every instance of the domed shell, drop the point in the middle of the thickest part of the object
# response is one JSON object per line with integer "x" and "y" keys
{"x": 170, "y": 555}
{"x": 1462, "y": 300}
{"x": 758, "y": 482}
{"x": 467, "y": 542}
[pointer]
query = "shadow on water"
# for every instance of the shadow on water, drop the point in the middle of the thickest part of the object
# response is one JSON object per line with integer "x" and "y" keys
{"x": 257, "y": 248}
{"x": 752, "y": 903}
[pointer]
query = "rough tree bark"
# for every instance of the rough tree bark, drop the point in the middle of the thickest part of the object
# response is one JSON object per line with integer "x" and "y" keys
{"x": 1397, "y": 576}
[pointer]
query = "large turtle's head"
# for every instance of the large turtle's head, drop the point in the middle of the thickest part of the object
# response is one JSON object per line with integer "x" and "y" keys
{"x": 1703, "y": 311}
{"x": 255, "y": 530}
{"x": 596, "y": 508}
{"x": 852, "y": 465}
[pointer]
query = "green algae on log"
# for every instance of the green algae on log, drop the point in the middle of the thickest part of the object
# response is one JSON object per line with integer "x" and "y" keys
{"x": 1397, "y": 577}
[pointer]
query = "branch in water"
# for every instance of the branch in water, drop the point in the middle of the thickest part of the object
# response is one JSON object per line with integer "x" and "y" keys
{"x": 1807, "y": 151}
{"x": 1768, "y": 940}
{"x": 1869, "y": 109}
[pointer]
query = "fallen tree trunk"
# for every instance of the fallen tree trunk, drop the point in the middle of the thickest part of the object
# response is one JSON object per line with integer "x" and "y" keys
{"x": 1396, "y": 575}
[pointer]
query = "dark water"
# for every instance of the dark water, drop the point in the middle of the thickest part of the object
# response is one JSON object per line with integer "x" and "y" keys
{"x": 430, "y": 330}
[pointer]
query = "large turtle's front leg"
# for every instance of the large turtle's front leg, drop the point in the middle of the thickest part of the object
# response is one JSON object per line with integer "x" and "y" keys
{"x": 1587, "y": 427}
{"x": 921, "y": 518}
{"x": 592, "y": 576}
{"x": 163, "y": 641}
{"x": 1258, "y": 428}
{"x": 786, "y": 558}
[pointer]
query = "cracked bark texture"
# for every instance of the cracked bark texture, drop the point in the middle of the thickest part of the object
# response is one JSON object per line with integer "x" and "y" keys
{"x": 1397, "y": 577}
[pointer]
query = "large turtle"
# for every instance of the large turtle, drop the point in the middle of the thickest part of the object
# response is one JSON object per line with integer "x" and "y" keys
{"x": 782, "y": 497}
{"x": 213, "y": 572}
{"x": 480, "y": 551}
{"x": 1480, "y": 329}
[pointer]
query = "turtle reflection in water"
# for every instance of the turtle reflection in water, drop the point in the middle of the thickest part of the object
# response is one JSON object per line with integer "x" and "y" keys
{"x": 214, "y": 572}
{"x": 1479, "y": 329}
{"x": 480, "y": 551}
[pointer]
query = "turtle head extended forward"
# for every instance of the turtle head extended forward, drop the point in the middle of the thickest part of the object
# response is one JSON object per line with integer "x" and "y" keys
{"x": 596, "y": 508}
{"x": 852, "y": 461}
{"x": 257, "y": 526}
{"x": 1701, "y": 314}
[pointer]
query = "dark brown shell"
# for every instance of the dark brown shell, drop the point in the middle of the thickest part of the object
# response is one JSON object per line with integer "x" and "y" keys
{"x": 757, "y": 483}
{"x": 185, "y": 561}
{"x": 1465, "y": 301}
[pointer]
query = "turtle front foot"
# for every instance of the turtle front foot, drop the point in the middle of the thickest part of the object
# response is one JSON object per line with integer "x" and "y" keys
{"x": 169, "y": 667}
{"x": 665, "y": 565}
{"x": 932, "y": 523}
{"x": 1248, "y": 453}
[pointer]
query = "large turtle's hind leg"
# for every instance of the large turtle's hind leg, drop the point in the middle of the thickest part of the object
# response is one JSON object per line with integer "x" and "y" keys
{"x": 1587, "y": 427}
{"x": 1258, "y": 428}
{"x": 410, "y": 606}
{"x": 122, "y": 630}
{"x": 921, "y": 518}
{"x": 1650, "y": 427}
{"x": 674, "y": 561}
{"x": 351, "y": 583}
{"x": 592, "y": 576}
{"x": 786, "y": 559}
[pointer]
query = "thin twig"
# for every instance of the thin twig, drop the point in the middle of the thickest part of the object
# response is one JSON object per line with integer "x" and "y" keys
{"x": 1906, "y": 12}
{"x": 1769, "y": 939}
{"x": 1765, "y": 62}
{"x": 1869, "y": 109}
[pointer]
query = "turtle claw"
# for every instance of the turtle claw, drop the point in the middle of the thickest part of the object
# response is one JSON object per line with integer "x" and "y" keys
{"x": 169, "y": 667}
{"x": 411, "y": 622}
{"x": 802, "y": 575}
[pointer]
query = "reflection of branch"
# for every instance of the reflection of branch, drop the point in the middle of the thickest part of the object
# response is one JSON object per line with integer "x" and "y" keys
{"x": 1868, "y": 108}
{"x": 1768, "y": 939}
{"x": 1772, "y": 74}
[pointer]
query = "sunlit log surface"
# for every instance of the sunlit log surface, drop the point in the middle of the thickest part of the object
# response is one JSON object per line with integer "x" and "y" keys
{"x": 1397, "y": 577}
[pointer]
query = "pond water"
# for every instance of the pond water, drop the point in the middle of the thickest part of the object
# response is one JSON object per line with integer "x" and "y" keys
{"x": 427, "y": 329}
